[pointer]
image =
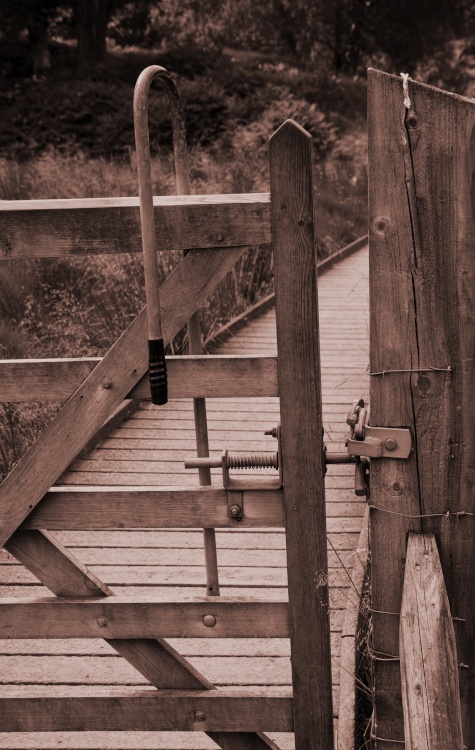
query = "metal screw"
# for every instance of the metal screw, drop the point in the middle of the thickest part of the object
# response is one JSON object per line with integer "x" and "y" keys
{"x": 209, "y": 621}
{"x": 220, "y": 237}
{"x": 396, "y": 487}
{"x": 102, "y": 622}
{"x": 272, "y": 432}
{"x": 107, "y": 383}
{"x": 200, "y": 716}
{"x": 390, "y": 444}
{"x": 235, "y": 510}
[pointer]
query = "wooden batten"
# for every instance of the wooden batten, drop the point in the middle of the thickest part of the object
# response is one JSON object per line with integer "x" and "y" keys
{"x": 189, "y": 377}
{"x": 429, "y": 665}
{"x": 142, "y": 507}
{"x": 157, "y": 711}
{"x": 116, "y": 618}
{"x": 91, "y": 226}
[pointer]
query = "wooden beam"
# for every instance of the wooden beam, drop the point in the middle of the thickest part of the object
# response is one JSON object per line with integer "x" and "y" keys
{"x": 156, "y": 660}
{"x": 429, "y": 665}
{"x": 422, "y": 285}
{"x": 116, "y": 618}
{"x": 106, "y": 387}
{"x": 150, "y": 711}
{"x": 87, "y": 226}
{"x": 302, "y": 430}
{"x": 198, "y": 376}
{"x": 86, "y": 507}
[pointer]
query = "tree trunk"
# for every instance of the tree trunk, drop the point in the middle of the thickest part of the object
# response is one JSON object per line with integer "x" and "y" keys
{"x": 38, "y": 35}
{"x": 91, "y": 19}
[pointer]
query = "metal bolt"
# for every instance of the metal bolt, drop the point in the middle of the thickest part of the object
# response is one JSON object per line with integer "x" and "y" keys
{"x": 220, "y": 237}
{"x": 235, "y": 510}
{"x": 412, "y": 121}
{"x": 200, "y": 716}
{"x": 390, "y": 444}
{"x": 209, "y": 621}
{"x": 396, "y": 487}
{"x": 107, "y": 383}
{"x": 272, "y": 432}
{"x": 102, "y": 622}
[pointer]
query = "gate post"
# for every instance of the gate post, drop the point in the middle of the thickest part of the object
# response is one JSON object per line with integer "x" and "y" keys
{"x": 422, "y": 364}
{"x": 302, "y": 433}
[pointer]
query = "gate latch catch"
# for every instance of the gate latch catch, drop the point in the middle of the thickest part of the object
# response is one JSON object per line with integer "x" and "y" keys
{"x": 375, "y": 442}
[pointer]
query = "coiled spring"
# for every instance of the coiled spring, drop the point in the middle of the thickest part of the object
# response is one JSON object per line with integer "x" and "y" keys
{"x": 252, "y": 460}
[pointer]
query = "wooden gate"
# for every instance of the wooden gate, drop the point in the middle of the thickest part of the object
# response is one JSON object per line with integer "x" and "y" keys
{"x": 422, "y": 230}
{"x": 216, "y": 230}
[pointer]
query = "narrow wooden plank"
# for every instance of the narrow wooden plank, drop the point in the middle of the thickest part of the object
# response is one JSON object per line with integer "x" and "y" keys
{"x": 158, "y": 711}
{"x": 421, "y": 283}
{"x": 123, "y": 507}
{"x": 429, "y": 664}
{"x": 302, "y": 449}
{"x": 95, "y": 399}
{"x": 52, "y": 228}
{"x": 189, "y": 377}
{"x": 65, "y": 618}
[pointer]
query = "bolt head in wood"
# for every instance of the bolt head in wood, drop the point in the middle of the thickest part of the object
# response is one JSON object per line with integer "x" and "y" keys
{"x": 209, "y": 621}
{"x": 107, "y": 383}
{"x": 235, "y": 510}
{"x": 102, "y": 622}
{"x": 390, "y": 444}
{"x": 200, "y": 716}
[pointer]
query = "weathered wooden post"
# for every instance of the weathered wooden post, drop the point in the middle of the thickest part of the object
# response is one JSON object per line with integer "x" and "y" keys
{"x": 293, "y": 238}
{"x": 429, "y": 668}
{"x": 422, "y": 296}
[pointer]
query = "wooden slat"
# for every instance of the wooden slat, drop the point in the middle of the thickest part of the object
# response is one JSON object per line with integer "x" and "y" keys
{"x": 158, "y": 711}
{"x": 64, "y": 618}
{"x": 429, "y": 664}
{"x": 422, "y": 299}
{"x": 92, "y": 403}
{"x": 53, "y": 228}
{"x": 302, "y": 447}
{"x": 123, "y": 507}
{"x": 189, "y": 377}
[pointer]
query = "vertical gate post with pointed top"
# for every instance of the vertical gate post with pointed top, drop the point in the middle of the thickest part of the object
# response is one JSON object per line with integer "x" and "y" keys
{"x": 302, "y": 433}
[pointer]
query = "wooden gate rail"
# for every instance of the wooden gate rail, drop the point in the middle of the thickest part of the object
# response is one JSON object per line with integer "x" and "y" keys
{"x": 218, "y": 229}
{"x": 94, "y": 226}
{"x": 220, "y": 376}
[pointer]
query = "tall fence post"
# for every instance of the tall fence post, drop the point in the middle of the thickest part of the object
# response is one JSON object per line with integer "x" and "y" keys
{"x": 422, "y": 364}
{"x": 302, "y": 433}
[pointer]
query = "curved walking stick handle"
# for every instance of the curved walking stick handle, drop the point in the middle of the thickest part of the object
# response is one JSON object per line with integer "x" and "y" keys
{"x": 157, "y": 362}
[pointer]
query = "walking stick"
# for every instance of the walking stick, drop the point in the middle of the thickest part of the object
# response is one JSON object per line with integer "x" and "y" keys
{"x": 157, "y": 364}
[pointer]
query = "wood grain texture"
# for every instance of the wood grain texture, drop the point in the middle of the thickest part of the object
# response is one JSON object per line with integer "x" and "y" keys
{"x": 115, "y": 618}
{"x": 138, "y": 710}
{"x": 106, "y": 507}
{"x": 301, "y": 418}
{"x": 53, "y": 228}
{"x": 422, "y": 225}
{"x": 124, "y": 364}
{"x": 429, "y": 666}
{"x": 189, "y": 377}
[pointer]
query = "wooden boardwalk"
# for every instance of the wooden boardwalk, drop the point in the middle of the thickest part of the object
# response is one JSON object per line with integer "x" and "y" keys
{"x": 149, "y": 449}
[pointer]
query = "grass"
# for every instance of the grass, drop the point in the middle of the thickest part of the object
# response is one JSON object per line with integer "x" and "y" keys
{"x": 80, "y": 306}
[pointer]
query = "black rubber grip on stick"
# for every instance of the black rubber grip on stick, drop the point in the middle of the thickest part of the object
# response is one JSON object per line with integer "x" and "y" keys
{"x": 157, "y": 372}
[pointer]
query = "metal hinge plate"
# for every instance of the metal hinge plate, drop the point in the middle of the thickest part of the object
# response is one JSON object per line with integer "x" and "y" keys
{"x": 382, "y": 442}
